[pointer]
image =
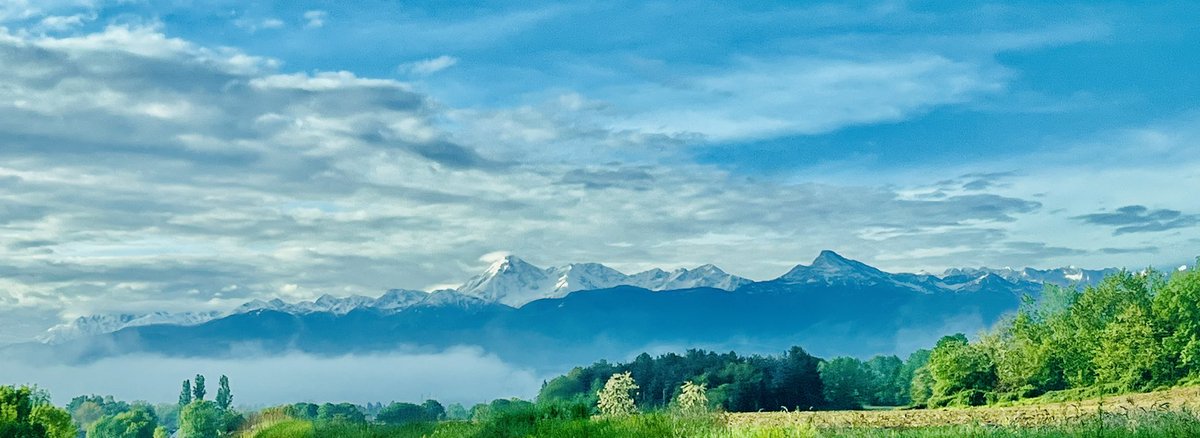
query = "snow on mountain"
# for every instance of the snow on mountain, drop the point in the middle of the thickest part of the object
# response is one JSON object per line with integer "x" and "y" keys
{"x": 85, "y": 326}
{"x": 392, "y": 301}
{"x": 514, "y": 282}
{"x": 1059, "y": 276}
{"x": 832, "y": 269}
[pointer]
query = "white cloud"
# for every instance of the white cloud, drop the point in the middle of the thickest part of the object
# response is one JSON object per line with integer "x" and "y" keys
{"x": 253, "y": 25}
{"x": 315, "y": 19}
{"x": 768, "y": 98}
{"x": 429, "y": 66}
{"x": 59, "y": 23}
{"x": 494, "y": 256}
{"x": 145, "y": 171}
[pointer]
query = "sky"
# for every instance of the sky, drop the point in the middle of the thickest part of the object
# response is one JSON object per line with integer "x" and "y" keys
{"x": 183, "y": 155}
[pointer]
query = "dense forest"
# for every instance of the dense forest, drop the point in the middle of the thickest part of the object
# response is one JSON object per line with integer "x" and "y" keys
{"x": 793, "y": 380}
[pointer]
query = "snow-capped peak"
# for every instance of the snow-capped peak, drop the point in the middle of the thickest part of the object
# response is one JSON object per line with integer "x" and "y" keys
{"x": 831, "y": 268}
{"x": 85, "y": 326}
{"x": 515, "y": 282}
{"x": 1059, "y": 276}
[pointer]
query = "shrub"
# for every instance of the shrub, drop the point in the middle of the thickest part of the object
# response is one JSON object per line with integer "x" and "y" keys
{"x": 616, "y": 398}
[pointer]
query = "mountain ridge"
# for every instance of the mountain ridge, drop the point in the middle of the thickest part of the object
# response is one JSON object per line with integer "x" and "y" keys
{"x": 513, "y": 282}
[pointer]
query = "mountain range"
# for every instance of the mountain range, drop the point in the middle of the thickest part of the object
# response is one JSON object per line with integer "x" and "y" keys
{"x": 546, "y": 317}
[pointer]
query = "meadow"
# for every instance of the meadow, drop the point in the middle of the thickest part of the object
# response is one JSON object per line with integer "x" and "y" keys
{"x": 1169, "y": 413}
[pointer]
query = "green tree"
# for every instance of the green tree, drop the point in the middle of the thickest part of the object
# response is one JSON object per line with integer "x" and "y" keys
{"x": 1176, "y": 311}
{"x": 303, "y": 411}
{"x": 921, "y": 389}
{"x": 907, "y": 380}
{"x": 85, "y": 412}
{"x": 888, "y": 386}
{"x": 224, "y": 396}
{"x": 26, "y": 412}
{"x": 402, "y": 413}
{"x": 434, "y": 410}
{"x": 962, "y": 373}
{"x": 847, "y": 383}
{"x": 168, "y": 415}
{"x": 1079, "y": 335}
{"x": 456, "y": 411}
{"x": 138, "y": 422}
{"x": 198, "y": 390}
{"x": 340, "y": 413}
{"x": 1129, "y": 354}
{"x": 201, "y": 419}
{"x": 57, "y": 422}
{"x": 185, "y": 396}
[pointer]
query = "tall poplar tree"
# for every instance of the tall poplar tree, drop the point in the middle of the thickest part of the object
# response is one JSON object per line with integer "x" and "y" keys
{"x": 185, "y": 396}
{"x": 199, "y": 391}
{"x": 224, "y": 397}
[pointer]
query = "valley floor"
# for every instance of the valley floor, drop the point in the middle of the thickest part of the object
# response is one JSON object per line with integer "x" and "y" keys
{"x": 1028, "y": 414}
{"x": 1170, "y": 413}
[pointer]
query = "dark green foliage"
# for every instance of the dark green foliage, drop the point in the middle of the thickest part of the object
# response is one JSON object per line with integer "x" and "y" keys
{"x": 303, "y": 411}
{"x": 185, "y": 395}
{"x": 198, "y": 390}
{"x": 499, "y": 407}
{"x": 889, "y": 384}
{"x": 434, "y": 410}
{"x": 340, "y": 413}
{"x": 87, "y": 410}
{"x": 231, "y": 421}
{"x": 456, "y": 411}
{"x": 401, "y": 413}
{"x": 848, "y": 383}
{"x": 736, "y": 383}
{"x": 224, "y": 396}
{"x": 168, "y": 415}
{"x": 138, "y": 422}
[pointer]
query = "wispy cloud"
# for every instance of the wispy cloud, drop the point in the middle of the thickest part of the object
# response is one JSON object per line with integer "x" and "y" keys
{"x": 429, "y": 66}
{"x": 1140, "y": 219}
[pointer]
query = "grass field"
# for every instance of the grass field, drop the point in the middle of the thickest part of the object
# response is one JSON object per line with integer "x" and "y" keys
{"x": 1169, "y": 413}
{"x": 1180, "y": 400}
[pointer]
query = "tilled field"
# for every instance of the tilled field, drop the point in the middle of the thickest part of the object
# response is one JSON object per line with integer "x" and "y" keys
{"x": 1184, "y": 400}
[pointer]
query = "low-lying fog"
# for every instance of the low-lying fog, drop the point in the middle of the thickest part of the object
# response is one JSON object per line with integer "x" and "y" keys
{"x": 459, "y": 375}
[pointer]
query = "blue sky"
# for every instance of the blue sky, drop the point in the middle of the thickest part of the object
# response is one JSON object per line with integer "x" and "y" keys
{"x": 186, "y": 154}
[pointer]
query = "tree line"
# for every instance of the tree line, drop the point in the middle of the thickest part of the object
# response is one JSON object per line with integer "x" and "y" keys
{"x": 793, "y": 380}
{"x": 1133, "y": 331}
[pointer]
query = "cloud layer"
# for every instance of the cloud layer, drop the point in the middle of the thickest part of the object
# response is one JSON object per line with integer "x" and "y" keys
{"x": 456, "y": 376}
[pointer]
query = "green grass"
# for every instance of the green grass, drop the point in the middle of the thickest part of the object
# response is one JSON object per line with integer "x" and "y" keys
{"x": 1153, "y": 425}
{"x": 287, "y": 429}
